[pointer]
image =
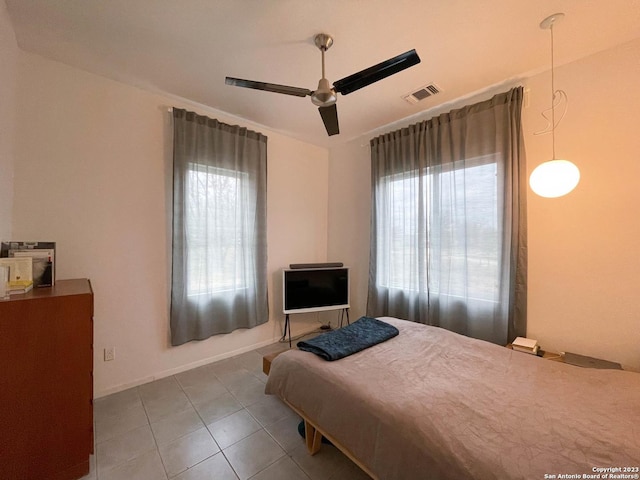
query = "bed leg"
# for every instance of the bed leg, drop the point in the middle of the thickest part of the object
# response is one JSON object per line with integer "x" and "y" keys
{"x": 313, "y": 438}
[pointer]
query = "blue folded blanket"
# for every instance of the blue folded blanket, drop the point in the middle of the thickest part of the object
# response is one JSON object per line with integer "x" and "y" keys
{"x": 363, "y": 333}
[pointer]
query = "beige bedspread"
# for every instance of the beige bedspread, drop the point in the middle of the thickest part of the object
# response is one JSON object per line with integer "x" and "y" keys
{"x": 431, "y": 404}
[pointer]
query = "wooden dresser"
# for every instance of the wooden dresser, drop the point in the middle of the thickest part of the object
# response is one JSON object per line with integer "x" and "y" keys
{"x": 46, "y": 382}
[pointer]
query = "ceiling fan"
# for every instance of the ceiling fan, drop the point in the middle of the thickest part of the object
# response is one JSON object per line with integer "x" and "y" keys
{"x": 325, "y": 96}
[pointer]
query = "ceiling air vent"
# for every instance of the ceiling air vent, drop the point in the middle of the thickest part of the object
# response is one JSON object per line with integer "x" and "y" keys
{"x": 422, "y": 93}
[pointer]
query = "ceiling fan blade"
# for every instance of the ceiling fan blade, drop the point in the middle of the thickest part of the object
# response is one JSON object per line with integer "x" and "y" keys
{"x": 330, "y": 118}
{"x": 373, "y": 74}
{"x": 268, "y": 87}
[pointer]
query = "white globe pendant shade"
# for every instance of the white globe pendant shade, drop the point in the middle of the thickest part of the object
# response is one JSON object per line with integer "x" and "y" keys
{"x": 554, "y": 178}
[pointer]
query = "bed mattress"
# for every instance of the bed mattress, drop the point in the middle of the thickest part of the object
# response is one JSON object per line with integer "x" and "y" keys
{"x": 432, "y": 404}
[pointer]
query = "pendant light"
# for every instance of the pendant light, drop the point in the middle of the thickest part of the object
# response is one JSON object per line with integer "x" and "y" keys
{"x": 554, "y": 178}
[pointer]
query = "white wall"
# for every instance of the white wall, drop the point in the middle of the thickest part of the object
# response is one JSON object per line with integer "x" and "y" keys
{"x": 349, "y": 215}
{"x": 93, "y": 163}
{"x": 584, "y": 249}
{"x": 8, "y": 73}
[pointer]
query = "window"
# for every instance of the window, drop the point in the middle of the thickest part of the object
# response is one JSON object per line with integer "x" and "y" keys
{"x": 463, "y": 233}
{"x": 216, "y": 246}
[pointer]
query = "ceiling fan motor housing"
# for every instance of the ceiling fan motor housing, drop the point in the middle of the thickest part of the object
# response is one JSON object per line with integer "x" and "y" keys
{"x": 324, "y": 96}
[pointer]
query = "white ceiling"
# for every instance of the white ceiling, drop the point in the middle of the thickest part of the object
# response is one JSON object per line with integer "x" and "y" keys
{"x": 187, "y": 47}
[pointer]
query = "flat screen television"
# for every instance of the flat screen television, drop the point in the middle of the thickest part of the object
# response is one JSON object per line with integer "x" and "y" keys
{"x": 315, "y": 289}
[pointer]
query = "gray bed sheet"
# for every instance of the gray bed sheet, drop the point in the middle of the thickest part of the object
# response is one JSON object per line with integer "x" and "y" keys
{"x": 432, "y": 404}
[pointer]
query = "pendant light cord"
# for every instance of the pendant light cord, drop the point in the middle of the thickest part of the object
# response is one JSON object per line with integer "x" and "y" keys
{"x": 556, "y": 99}
{"x": 553, "y": 101}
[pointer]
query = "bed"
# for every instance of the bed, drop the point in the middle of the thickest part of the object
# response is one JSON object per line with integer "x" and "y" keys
{"x": 432, "y": 404}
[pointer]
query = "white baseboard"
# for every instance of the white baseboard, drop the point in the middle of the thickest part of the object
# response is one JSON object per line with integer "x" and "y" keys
{"x": 189, "y": 366}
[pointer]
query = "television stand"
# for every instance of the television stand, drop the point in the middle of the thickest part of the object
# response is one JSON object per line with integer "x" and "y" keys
{"x": 287, "y": 323}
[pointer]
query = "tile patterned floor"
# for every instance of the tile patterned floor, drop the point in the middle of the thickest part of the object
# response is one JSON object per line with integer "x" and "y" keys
{"x": 212, "y": 422}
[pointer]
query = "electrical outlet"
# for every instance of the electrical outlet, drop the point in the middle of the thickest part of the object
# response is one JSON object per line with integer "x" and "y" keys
{"x": 109, "y": 354}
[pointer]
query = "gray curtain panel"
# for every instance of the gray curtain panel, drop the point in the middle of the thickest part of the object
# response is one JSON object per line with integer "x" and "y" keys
{"x": 219, "y": 260}
{"x": 448, "y": 236}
